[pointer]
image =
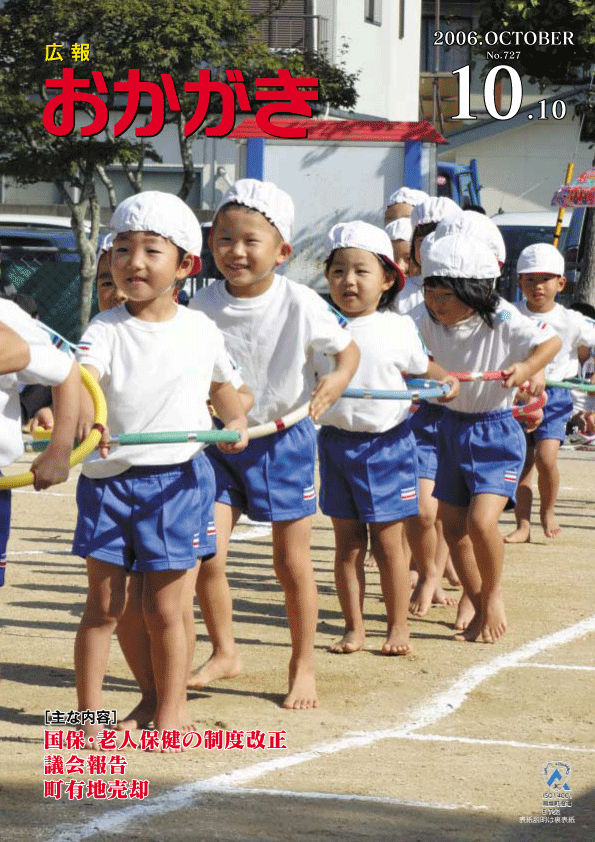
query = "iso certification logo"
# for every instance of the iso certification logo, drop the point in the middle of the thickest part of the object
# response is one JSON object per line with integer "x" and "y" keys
{"x": 556, "y": 774}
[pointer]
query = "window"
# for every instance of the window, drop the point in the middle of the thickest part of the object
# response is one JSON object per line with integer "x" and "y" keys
{"x": 449, "y": 57}
{"x": 373, "y": 11}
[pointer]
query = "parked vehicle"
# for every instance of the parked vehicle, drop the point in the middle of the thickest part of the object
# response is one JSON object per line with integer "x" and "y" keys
{"x": 574, "y": 246}
{"x": 520, "y": 230}
{"x": 460, "y": 182}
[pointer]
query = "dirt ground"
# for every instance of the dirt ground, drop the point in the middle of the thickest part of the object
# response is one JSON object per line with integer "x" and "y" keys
{"x": 447, "y": 743}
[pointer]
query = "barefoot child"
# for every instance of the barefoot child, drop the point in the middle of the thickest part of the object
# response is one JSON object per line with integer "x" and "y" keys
{"x": 27, "y": 356}
{"x": 271, "y": 326}
{"x": 368, "y": 468}
{"x": 481, "y": 447}
{"x": 149, "y": 508}
{"x": 540, "y": 268}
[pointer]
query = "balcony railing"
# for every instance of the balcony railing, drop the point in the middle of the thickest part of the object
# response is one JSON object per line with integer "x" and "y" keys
{"x": 295, "y": 32}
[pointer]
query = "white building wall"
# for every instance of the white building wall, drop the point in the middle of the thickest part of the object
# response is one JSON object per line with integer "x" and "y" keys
{"x": 330, "y": 183}
{"x": 520, "y": 169}
{"x": 388, "y": 64}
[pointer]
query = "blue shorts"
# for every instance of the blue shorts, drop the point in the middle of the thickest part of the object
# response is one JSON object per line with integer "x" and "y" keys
{"x": 479, "y": 453}
{"x": 424, "y": 424}
{"x": 273, "y": 478}
{"x": 556, "y": 413}
{"x": 370, "y": 477}
{"x": 4, "y": 529}
{"x": 151, "y": 517}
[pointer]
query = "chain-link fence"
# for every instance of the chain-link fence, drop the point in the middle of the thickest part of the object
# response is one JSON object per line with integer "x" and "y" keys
{"x": 53, "y": 283}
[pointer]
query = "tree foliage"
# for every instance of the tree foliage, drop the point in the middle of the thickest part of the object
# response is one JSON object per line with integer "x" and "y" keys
{"x": 176, "y": 37}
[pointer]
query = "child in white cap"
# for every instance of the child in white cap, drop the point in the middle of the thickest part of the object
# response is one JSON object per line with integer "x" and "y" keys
{"x": 27, "y": 357}
{"x": 272, "y": 326}
{"x": 481, "y": 447}
{"x": 540, "y": 269}
{"x": 425, "y": 217}
{"x": 400, "y": 203}
{"x": 368, "y": 468}
{"x": 149, "y": 508}
{"x": 400, "y": 232}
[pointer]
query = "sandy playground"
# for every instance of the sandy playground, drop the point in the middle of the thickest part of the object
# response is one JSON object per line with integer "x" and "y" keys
{"x": 446, "y": 743}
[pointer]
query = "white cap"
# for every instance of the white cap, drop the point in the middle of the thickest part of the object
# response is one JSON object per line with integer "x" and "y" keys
{"x": 407, "y": 196}
{"x": 457, "y": 256}
{"x": 400, "y": 229}
{"x": 362, "y": 235}
{"x": 266, "y": 197}
{"x": 540, "y": 257}
{"x": 433, "y": 209}
{"x": 164, "y": 214}
{"x": 474, "y": 225}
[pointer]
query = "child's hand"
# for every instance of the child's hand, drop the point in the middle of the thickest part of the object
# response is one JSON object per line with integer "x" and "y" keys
{"x": 519, "y": 374}
{"x": 532, "y": 420}
{"x": 328, "y": 390}
{"x": 104, "y": 442}
{"x": 235, "y": 446}
{"x": 50, "y": 468}
{"x": 455, "y": 387}
{"x": 44, "y": 418}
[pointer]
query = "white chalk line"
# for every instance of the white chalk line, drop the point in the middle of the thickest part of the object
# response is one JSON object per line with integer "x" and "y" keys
{"x": 556, "y": 666}
{"x": 437, "y": 707}
{"x": 340, "y": 796}
{"x": 45, "y": 493}
{"x": 446, "y": 738}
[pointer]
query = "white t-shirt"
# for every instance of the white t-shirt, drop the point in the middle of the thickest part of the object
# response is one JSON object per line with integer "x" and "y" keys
{"x": 48, "y": 366}
{"x": 471, "y": 345}
{"x": 389, "y": 344}
{"x": 155, "y": 377}
{"x": 574, "y": 330}
{"x": 410, "y": 296}
{"x": 272, "y": 338}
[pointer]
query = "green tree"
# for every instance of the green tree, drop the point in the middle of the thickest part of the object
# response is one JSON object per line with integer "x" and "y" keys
{"x": 175, "y": 37}
{"x": 554, "y": 66}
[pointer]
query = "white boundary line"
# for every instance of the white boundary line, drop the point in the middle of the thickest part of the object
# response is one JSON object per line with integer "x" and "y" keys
{"x": 556, "y": 666}
{"x": 437, "y": 707}
{"x": 340, "y": 796}
{"x": 440, "y": 738}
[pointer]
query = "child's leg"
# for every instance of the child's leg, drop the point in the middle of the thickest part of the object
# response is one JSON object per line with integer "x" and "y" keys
{"x": 454, "y": 525}
{"x": 293, "y": 566}
{"x": 394, "y": 581}
{"x": 524, "y": 500}
{"x": 163, "y": 607}
{"x": 135, "y": 644}
{"x": 351, "y": 542}
{"x": 214, "y": 598}
{"x": 421, "y": 534}
{"x": 488, "y": 547}
{"x": 440, "y": 596}
{"x": 104, "y": 605}
{"x": 548, "y": 483}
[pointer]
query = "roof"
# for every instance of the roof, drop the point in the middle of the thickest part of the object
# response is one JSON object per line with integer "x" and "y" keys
{"x": 378, "y": 131}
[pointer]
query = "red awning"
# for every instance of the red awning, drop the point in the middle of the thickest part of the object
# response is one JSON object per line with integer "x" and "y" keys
{"x": 375, "y": 131}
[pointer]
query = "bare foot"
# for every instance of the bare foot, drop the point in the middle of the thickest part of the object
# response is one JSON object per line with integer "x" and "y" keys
{"x": 352, "y": 641}
{"x": 440, "y": 597}
{"x": 413, "y": 577}
{"x": 140, "y": 716}
{"x": 91, "y": 732}
{"x": 472, "y": 630}
{"x": 217, "y": 666}
{"x": 521, "y": 535}
{"x": 551, "y": 527}
{"x": 370, "y": 563}
{"x": 397, "y": 641}
{"x": 302, "y": 689}
{"x": 493, "y": 618}
{"x": 465, "y": 613}
{"x": 451, "y": 574}
{"x": 421, "y": 598}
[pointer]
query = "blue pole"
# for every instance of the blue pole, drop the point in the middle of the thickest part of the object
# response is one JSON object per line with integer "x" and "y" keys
{"x": 255, "y": 158}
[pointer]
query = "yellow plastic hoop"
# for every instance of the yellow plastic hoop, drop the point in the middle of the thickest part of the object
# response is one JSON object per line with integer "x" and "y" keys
{"x": 85, "y": 448}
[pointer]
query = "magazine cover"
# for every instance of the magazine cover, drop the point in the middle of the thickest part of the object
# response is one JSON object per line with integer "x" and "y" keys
{"x": 297, "y": 331}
